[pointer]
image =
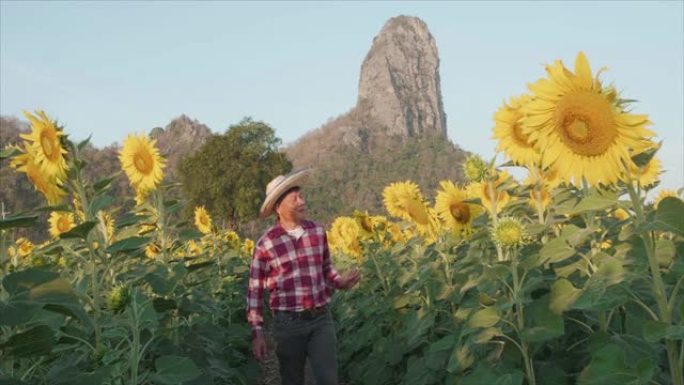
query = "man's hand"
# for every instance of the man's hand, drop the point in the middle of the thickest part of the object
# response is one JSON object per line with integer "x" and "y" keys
{"x": 259, "y": 345}
{"x": 349, "y": 279}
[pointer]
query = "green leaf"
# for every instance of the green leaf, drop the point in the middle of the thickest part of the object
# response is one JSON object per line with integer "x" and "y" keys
{"x": 655, "y": 331}
{"x": 102, "y": 184}
{"x": 36, "y": 341}
{"x": 84, "y": 142}
{"x": 670, "y": 216}
{"x": 555, "y": 250}
{"x": 540, "y": 323}
{"x": 188, "y": 234}
{"x": 607, "y": 367}
{"x": 563, "y": 295}
{"x": 130, "y": 219}
{"x": 484, "y": 318}
{"x": 439, "y": 351}
{"x": 641, "y": 159}
{"x": 172, "y": 370}
{"x": 13, "y": 314}
{"x": 12, "y": 222}
{"x": 9, "y": 153}
{"x": 595, "y": 200}
{"x": 611, "y": 272}
{"x": 99, "y": 203}
{"x": 128, "y": 245}
{"x": 665, "y": 252}
{"x": 23, "y": 281}
{"x": 81, "y": 231}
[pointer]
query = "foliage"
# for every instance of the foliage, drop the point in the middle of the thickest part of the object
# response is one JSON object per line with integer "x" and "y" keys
{"x": 229, "y": 173}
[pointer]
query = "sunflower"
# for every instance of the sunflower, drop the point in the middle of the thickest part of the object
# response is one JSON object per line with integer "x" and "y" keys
{"x": 647, "y": 175}
{"x": 47, "y": 184}
{"x": 24, "y": 247}
{"x": 344, "y": 233}
{"x": 542, "y": 195}
{"x": 451, "y": 208}
{"x": 152, "y": 250}
{"x": 664, "y": 194}
{"x": 621, "y": 214}
{"x": 60, "y": 222}
{"x": 474, "y": 168}
{"x": 45, "y": 142}
{"x": 106, "y": 224}
{"x": 508, "y": 131}
{"x": 509, "y": 232}
{"x": 141, "y": 162}
{"x": 581, "y": 126}
{"x": 194, "y": 248}
{"x": 499, "y": 196}
{"x": 248, "y": 247}
{"x": 404, "y": 200}
{"x": 202, "y": 220}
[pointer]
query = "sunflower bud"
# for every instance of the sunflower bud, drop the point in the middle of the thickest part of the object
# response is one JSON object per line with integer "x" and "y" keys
{"x": 509, "y": 232}
{"x": 474, "y": 168}
{"x": 118, "y": 298}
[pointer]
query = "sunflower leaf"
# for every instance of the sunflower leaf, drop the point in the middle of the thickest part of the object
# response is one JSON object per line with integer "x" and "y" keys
{"x": 80, "y": 231}
{"x": 669, "y": 216}
{"x": 9, "y": 153}
{"x": 25, "y": 221}
{"x": 128, "y": 245}
{"x": 642, "y": 159}
{"x": 84, "y": 142}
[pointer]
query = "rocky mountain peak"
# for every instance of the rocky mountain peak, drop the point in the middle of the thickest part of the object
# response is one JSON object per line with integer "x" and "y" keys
{"x": 181, "y": 137}
{"x": 399, "y": 84}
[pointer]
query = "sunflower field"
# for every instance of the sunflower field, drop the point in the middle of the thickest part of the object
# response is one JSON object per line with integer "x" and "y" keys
{"x": 571, "y": 275}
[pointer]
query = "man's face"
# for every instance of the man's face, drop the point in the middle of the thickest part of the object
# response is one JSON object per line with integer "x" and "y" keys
{"x": 293, "y": 206}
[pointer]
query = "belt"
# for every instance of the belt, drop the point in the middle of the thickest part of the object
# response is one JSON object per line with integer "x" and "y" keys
{"x": 309, "y": 313}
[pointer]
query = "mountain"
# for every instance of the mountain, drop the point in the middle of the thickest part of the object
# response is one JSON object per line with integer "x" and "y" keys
{"x": 396, "y": 131}
{"x": 181, "y": 137}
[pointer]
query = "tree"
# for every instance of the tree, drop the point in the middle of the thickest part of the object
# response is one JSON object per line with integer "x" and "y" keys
{"x": 229, "y": 172}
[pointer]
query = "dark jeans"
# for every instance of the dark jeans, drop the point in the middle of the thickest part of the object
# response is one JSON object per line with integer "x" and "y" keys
{"x": 298, "y": 338}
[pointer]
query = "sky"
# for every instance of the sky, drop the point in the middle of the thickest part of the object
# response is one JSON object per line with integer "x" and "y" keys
{"x": 114, "y": 68}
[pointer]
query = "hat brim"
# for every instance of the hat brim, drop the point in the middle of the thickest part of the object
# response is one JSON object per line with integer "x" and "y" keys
{"x": 294, "y": 179}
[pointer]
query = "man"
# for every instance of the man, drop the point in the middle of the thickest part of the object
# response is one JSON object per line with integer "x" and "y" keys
{"x": 292, "y": 260}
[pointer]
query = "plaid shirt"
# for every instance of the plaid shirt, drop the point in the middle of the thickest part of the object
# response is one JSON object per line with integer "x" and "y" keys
{"x": 297, "y": 272}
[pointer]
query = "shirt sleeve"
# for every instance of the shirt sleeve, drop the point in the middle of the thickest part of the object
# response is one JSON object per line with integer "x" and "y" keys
{"x": 329, "y": 272}
{"x": 255, "y": 289}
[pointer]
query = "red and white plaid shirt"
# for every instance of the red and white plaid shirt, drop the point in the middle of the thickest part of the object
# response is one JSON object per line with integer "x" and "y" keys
{"x": 297, "y": 272}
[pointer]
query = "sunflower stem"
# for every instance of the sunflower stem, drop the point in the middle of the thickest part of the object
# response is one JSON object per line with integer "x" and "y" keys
{"x": 658, "y": 287}
{"x": 495, "y": 220}
{"x": 520, "y": 319}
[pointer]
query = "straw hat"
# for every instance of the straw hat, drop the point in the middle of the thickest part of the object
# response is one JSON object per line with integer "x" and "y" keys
{"x": 279, "y": 185}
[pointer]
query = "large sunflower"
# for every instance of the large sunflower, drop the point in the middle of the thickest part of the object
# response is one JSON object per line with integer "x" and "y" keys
{"x": 202, "y": 220}
{"x": 45, "y": 142}
{"x": 60, "y": 222}
{"x": 141, "y": 162}
{"x": 508, "y": 131}
{"x": 451, "y": 208}
{"x": 581, "y": 126}
{"x": 47, "y": 184}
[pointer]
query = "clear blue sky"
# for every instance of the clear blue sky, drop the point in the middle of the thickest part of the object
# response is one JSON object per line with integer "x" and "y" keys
{"x": 111, "y": 68}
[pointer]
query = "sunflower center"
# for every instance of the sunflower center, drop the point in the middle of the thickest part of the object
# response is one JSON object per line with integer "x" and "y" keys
{"x": 366, "y": 224}
{"x": 204, "y": 220}
{"x": 63, "y": 224}
{"x": 460, "y": 212}
{"x": 47, "y": 142}
{"x": 143, "y": 162}
{"x": 585, "y": 123}
{"x": 519, "y": 136}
